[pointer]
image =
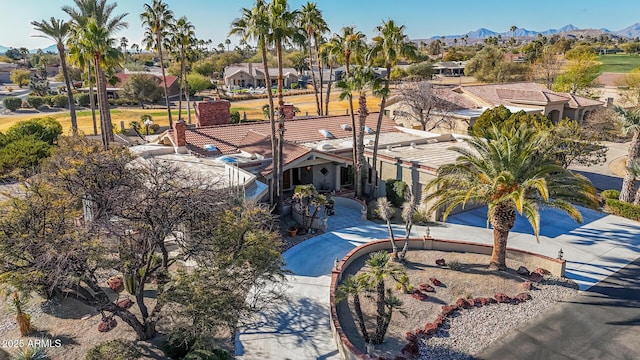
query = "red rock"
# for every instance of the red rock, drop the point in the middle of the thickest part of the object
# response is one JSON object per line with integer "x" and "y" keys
{"x": 115, "y": 283}
{"x": 107, "y": 324}
{"x": 448, "y": 310}
{"x": 542, "y": 271}
{"x": 435, "y": 282}
{"x": 523, "y": 271}
{"x": 411, "y": 349}
{"x": 483, "y": 301}
{"x": 426, "y": 288}
{"x": 472, "y": 302}
{"x": 410, "y": 336}
{"x": 502, "y": 298}
{"x": 462, "y": 303}
{"x": 125, "y": 303}
{"x": 526, "y": 285}
{"x": 523, "y": 297}
{"x": 491, "y": 301}
{"x": 419, "y": 295}
{"x": 430, "y": 329}
{"x": 441, "y": 262}
{"x": 536, "y": 277}
{"x": 439, "y": 321}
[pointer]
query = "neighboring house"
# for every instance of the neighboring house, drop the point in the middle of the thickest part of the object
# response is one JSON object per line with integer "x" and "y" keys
{"x": 5, "y": 71}
{"x": 449, "y": 68}
{"x": 173, "y": 85}
{"x": 246, "y": 75}
{"x": 467, "y": 103}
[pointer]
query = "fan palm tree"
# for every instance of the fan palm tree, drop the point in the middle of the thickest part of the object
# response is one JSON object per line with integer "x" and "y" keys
{"x": 183, "y": 37}
{"x": 254, "y": 24}
{"x": 158, "y": 19}
{"x": 386, "y": 211}
{"x": 59, "y": 31}
{"x": 94, "y": 40}
{"x": 327, "y": 55}
{"x": 408, "y": 210}
{"x": 354, "y": 286}
{"x": 378, "y": 269}
{"x": 511, "y": 171}
{"x": 390, "y": 45}
{"x": 102, "y": 13}
{"x": 282, "y": 25}
{"x": 361, "y": 80}
{"x": 629, "y": 124}
{"x": 314, "y": 26}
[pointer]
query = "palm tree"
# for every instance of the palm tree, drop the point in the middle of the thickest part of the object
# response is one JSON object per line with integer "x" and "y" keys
{"x": 354, "y": 286}
{"x": 328, "y": 56}
{"x": 314, "y": 26}
{"x": 378, "y": 269}
{"x": 254, "y": 24}
{"x": 183, "y": 38}
{"x": 390, "y": 45}
{"x": 510, "y": 171}
{"x": 228, "y": 43}
{"x": 103, "y": 15}
{"x": 362, "y": 80}
{"x": 59, "y": 31}
{"x": 283, "y": 30}
{"x": 387, "y": 211}
{"x": 630, "y": 124}
{"x": 94, "y": 40}
{"x": 124, "y": 42}
{"x": 408, "y": 210}
{"x": 158, "y": 18}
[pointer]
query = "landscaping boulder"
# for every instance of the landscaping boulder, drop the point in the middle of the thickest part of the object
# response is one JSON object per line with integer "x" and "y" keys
{"x": 482, "y": 301}
{"x": 472, "y": 302}
{"x": 124, "y": 303}
{"x": 526, "y": 285}
{"x": 448, "y": 310}
{"x": 426, "y": 288}
{"x": 502, "y": 298}
{"x": 522, "y": 297}
{"x": 115, "y": 283}
{"x": 523, "y": 271}
{"x": 107, "y": 324}
{"x": 410, "y": 336}
{"x": 536, "y": 277}
{"x": 542, "y": 271}
{"x": 430, "y": 329}
{"x": 419, "y": 295}
{"x": 462, "y": 303}
{"x": 491, "y": 301}
{"x": 435, "y": 282}
{"x": 441, "y": 262}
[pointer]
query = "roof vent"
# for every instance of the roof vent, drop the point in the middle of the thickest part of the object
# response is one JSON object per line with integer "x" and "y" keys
{"x": 368, "y": 141}
{"x": 326, "y": 146}
{"x": 210, "y": 147}
{"x": 413, "y": 145}
{"x": 368, "y": 130}
{"x": 389, "y": 148}
{"x": 326, "y": 133}
{"x": 345, "y": 127}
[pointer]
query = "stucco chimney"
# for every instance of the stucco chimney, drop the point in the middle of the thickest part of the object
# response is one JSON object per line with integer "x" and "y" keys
{"x": 179, "y": 132}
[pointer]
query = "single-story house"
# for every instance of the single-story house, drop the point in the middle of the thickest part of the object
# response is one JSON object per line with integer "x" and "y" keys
{"x": 246, "y": 75}
{"x": 464, "y": 104}
{"x": 173, "y": 85}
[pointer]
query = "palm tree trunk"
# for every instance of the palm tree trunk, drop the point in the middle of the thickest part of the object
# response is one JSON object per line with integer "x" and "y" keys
{"x": 380, "y": 314}
{"x": 102, "y": 103}
{"x": 628, "y": 182}
{"x": 92, "y": 100}
{"x": 360, "y": 318}
{"x": 326, "y": 100}
{"x": 313, "y": 76}
{"x": 376, "y": 140}
{"x": 405, "y": 247}
{"x": 181, "y": 83}
{"x": 272, "y": 121}
{"x": 67, "y": 83}
{"x": 164, "y": 77}
{"x": 319, "y": 74}
{"x": 394, "y": 246}
{"x": 362, "y": 118}
{"x": 281, "y": 130}
{"x": 187, "y": 96}
{"x": 502, "y": 220}
{"x": 356, "y": 177}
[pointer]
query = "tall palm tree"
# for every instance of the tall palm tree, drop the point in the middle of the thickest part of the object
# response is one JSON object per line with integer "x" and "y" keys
{"x": 124, "y": 42}
{"x": 59, "y": 31}
{"x": 282, "y": 24}
{"x": 327, "y": 55}
{"x": 254, "y": 24}
{"x": 314, "y": 26}
{"x": 390, "y": 45}
{"x": 378, "y": 269}
{"x": 629, "y": 124}
{"x": 228, "y": 43}
{"x": 158, "y": 19}
{"x": 361, "y": 80}
{"x": 103, "y": 15}
{"x": 94, "y": 40}
{"x": 183, "y": 38}
{"x": 510, "y": 171}
{"x": 354, "y": 286}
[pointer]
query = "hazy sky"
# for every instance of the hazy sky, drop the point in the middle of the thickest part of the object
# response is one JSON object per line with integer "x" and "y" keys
{"x": 422, "y": 18}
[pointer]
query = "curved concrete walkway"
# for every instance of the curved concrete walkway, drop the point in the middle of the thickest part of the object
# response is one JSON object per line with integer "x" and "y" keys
{"x": 599, "y": 247}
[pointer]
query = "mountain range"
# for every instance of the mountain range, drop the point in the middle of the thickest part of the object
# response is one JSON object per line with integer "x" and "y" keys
{"x": 632, "y": 32}
{"x": 49, "y": 49}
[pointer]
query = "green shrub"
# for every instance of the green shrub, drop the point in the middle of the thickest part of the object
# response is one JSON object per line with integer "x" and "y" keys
{"x": 295, "y": 86}
{"x": 117, "y": 349}
{"x": 60, "y": 100}
{"x": 82, "y": 99}
{"x": 31, "y": 353}
{"x": 623, "y": 209}
{"x": 610, "y": 194}
{"x": 25, "y": 153}
{"x": 215, "y": 354}
{"x": 235, "y": 117}
{"x": 396, "y": 191}
{"x": 12, "y": 103}
{"x": 46, "y": 129}
{"x": 178, "y": 344}
{"x": 35, "y": 101}
{"x": 48, "y": 99}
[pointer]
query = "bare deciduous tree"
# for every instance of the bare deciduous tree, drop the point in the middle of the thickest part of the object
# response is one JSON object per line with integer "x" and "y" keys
{"x": 425, "y": 104}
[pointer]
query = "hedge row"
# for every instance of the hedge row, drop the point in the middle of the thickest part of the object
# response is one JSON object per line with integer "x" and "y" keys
{"x": 620, "y": 208}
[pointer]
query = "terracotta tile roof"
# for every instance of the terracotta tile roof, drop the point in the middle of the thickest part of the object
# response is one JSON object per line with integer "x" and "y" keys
{"x": 291, "y": 151}
{"x": 122, "y": 78}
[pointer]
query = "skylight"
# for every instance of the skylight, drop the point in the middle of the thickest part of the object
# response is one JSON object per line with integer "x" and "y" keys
{"x": 210, "y": 147}
{"x": 345, "y": 127}
{"x": 368, "y": 130}
{"x": 326, "y": 133}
